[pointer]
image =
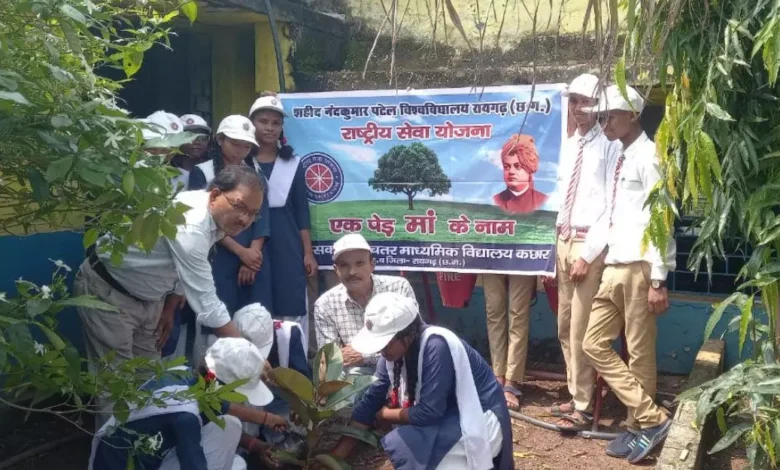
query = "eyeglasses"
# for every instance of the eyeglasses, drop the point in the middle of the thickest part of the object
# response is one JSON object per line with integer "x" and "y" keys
{"x": 239, "y": 206}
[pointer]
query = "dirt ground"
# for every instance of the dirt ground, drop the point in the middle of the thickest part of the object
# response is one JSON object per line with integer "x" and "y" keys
{"x": 534, "y": 448}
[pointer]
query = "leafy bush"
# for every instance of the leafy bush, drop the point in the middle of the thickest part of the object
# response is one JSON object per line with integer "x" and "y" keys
{"x": 718, "y": 144}
{"x": 68, "y": 151}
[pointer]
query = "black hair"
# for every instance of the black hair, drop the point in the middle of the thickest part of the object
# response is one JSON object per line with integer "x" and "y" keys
{"x": 285, "y": 151}
{"x": 412, "y": 333}
{"x": 233, "y": 176}
{"x": 214, "y": 153}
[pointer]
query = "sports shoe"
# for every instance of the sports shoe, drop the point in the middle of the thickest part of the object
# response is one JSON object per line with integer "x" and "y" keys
{"x": 622, "y": 446}
{"x": 647, "y": 440}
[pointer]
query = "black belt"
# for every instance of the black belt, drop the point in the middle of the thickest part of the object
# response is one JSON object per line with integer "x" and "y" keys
{"x": 101, "y": 271}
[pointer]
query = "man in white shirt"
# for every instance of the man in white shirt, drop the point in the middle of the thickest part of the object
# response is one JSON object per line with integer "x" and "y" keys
{"x": 339, "y": 312}
{"x": 585, "y": 157}
{"x": 633, "y": 286}
{"x": 146, "y": 287}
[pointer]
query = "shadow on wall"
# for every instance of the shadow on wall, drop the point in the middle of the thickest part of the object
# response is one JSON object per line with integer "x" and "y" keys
{"x": 680, "y": 331}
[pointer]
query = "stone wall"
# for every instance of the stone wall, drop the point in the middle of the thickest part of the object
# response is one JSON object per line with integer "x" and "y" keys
{"x": 547, "y": 59}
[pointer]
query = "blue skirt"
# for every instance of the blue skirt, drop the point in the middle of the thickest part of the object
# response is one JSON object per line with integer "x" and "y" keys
{"x": 423, "y": 447}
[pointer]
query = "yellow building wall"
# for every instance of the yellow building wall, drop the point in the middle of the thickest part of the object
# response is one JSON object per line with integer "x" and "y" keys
{"x": 266, "y": 72}
{"x": 504, "y": 22}
{"x": 244, "y": 64}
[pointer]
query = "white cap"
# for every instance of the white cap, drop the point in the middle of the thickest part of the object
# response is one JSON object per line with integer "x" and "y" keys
{"x": 386, "y": 314}
{"x": 161, "y": 123}
{"x": 239, "y": 128}
{"x": 273, "y": 103}
{"x": 586, "y": 85}
{"x": 233, "y": 359}
{"x": 193, "y": 122}
{"x": 349, "y": 242}
{"x": 255, "y": 324}
{"x": 613, "y": 100}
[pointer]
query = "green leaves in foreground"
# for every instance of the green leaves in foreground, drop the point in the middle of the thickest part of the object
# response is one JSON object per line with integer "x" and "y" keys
{"x": 314, "y": 403}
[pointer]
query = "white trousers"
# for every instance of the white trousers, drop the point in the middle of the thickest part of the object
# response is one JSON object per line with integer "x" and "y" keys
{"x": 456, "y": 457}
{"x": 219, "y": 446}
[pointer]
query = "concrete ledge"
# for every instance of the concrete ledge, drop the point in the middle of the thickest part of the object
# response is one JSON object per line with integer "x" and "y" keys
{"x": 685, "y": 445}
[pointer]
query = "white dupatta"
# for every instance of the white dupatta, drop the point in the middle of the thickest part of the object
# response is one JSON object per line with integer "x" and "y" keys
{"x": 473, "y": 425}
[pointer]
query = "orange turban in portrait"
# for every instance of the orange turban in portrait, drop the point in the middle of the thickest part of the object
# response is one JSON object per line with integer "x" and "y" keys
{"x": 522, "y": 146}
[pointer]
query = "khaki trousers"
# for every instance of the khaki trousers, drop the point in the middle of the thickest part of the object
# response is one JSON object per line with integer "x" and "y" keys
{"x": 622, "y": 302}
{"x": 508, "y": 337}
{"x": 574, "y": 305}
{"x": 131, "y": 332}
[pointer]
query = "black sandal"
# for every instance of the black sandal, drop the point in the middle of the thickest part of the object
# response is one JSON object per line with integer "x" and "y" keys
{"x": 556, "y": 410}
{"x": 580, "y": 420}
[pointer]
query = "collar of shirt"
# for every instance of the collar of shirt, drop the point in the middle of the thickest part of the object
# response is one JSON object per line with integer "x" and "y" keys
{"x": 590, "y": 135}
{"x": 636, "y": 147}
{"x": 200, "y": 213}
{"x": 520, "y": 193}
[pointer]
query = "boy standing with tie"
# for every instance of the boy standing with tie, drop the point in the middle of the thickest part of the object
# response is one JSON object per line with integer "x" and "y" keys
{"x": 633, "y": 286}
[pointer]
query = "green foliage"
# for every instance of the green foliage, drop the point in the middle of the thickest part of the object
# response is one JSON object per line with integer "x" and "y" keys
{"x": 744, "y": 402}
{"x": 68, "y": 151}
{"x": 718, "y": 145}
{"x": 410, "y": 170}
{"x": 313, "y": 403}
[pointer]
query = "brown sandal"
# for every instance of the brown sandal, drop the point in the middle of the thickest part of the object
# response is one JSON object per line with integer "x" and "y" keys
{"x": 516, "y": 393}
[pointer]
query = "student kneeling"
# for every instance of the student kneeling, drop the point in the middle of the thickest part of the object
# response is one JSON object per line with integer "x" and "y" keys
{"x": 186, "y": 439}
{"x": 449, "y": 408}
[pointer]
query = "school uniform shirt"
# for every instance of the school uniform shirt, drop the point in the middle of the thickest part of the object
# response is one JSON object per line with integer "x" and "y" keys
{"x": 181, "y": 181}
{"x": 178, "y": 266}
{"x": 639, "y": 174}
{"x": 520, "y": 202}
{"x": 179, "y": 430}
{"x": 296, "y": 354}
{"x": 285, "y": 249}
{"x": 225, "y": 264}
{"x": 434, "y": 426}
{"x": 338, "y": 318}
{"x": 594, "y": 187}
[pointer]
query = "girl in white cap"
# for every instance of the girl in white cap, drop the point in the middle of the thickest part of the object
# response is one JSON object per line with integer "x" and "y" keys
{"x": 282, "y": 344}
{"x": 159, "y": 126}
{"x": 448, "y": 407}
{"x": 289, "y": 252}
{"x": 185, "y": 437}
{"x": 238, "y": 260}
{"x": 194, "y": 152}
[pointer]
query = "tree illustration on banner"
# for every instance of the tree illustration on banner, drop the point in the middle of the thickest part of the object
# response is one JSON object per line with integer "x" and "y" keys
{"x": 410, "y": 170}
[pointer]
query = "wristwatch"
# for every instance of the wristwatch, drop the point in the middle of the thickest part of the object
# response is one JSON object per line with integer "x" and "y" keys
{"x": 656, "y": 284}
